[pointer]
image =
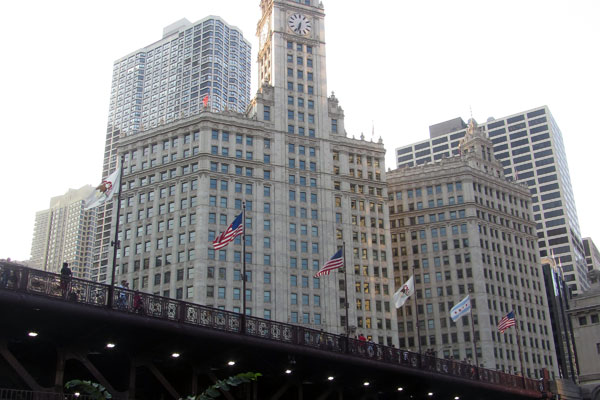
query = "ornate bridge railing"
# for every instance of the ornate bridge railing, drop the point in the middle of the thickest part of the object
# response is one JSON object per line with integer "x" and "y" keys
{"x": 19, "y": 278}
{"x": 12, "y": 394}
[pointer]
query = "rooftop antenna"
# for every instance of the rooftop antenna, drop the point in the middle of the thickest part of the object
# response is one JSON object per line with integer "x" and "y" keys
{"x": 372, "y": 129}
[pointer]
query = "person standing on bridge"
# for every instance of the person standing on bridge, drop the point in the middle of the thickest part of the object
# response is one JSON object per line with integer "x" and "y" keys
{"x": 5, "y": 276}
{"x": 65, "y": 279}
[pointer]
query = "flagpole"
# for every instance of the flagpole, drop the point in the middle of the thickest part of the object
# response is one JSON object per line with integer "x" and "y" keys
{"x": 417, "y": 314}
{"x": 346, "y": 303}
{"x": 520, "y": 353}
{"x": 115, "y": 243}
{"x": 243, "y": 328}
{"x": 474, "y": 340}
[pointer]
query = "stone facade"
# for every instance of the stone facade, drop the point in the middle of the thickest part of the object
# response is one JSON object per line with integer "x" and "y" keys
{"x": 166, "y": 81}
{"x": 585, "y": 317}
{"x": 308, "y": 190}
{"x": 462, "y": 228}
{"x": 530, "y": 147}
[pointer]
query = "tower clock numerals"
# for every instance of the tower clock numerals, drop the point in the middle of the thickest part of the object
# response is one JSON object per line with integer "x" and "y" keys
{"x": 299, "y": 24}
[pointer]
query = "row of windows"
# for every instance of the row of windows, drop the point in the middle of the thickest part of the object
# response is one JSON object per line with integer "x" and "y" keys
{"x": 302, "y": 165}
{"x": 302, "y": 181}
{"x": 358, "y": 173}
{"x": 300, "y": 60}
{"x": 438, "y": 217}
{"x": 165, "y": 145}
{"x": 239, "y": 138}
{"x": 419, "y": 205}
{"x": 163, "y": 175}
{"x": 300, "y": 46}
{"x": 366, "y": 305}
{"x": 365, "y": 287}
{"x": 300, "y": 88}
{"x": 299, "y": 75}
{"x": 358, "y": 159}
{"x": 301, "y": 131}
{"x": 434, "y": 232}
{"x": 239, "y": 187}
{"x": 584, "y": 319}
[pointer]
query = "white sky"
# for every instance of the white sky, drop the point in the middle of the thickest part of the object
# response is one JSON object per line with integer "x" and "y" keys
{"x": 402, "y": 64}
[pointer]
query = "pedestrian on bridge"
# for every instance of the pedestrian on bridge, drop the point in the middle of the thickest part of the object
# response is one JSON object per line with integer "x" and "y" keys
{"x": 65, "y": 279}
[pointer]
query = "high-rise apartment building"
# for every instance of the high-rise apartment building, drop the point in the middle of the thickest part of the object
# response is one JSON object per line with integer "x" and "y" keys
{"x": 592, "y": 255}
{"x": 461, "y": 228}
{"x": 64, "y": 233}
{"x": 307, "y": 188}
{"x": 530, "y": 146}
{"x": 166, "y": 81}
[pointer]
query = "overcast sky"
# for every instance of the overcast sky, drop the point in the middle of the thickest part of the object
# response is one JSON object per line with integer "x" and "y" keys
{"x": 401, "y": 65}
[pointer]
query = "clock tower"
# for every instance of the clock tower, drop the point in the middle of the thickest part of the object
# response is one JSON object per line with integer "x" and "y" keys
{"x": 327, "y": 190}
{"x": 291, "y": 59}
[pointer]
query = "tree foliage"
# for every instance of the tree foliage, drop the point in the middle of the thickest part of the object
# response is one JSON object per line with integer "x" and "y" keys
{"x": 92, "y": 389}
{"x": 214, "y": 391}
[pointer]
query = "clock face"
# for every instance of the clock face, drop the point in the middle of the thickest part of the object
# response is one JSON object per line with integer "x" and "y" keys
{"x": 299, "y": 24}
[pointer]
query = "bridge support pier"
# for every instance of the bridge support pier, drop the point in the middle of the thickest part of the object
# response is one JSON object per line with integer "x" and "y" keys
{"x": 59, "y": 376}
{"x": 132, "y": 373}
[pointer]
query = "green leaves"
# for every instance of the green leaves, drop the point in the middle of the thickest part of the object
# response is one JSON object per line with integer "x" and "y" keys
{"x": 225, "y": 385}
{"x": 92, "y": 389}
{"x": 99, "y": 392}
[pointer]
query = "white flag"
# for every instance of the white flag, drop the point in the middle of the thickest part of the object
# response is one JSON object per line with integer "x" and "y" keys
{"x": 404, "y": 292}
{"x": 105, "y": 190}
{"x": 461, "y": 308}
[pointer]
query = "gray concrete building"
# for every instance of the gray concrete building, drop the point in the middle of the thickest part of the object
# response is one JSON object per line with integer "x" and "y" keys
{"x": 460, "y": 227}
{"x": 308, "y": 189}
{"x": 64, "y": 233}
{"x": 585, "y": 316}
{"x": 592, "y": 255}
{"x": 166, "y": 81}
{"x": 530, "y": 147}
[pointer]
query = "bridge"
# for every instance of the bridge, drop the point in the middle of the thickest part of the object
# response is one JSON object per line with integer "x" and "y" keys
{"x": 141, "y": 346}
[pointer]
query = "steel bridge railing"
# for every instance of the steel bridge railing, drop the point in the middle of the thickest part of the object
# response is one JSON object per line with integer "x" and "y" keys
{"x": 16, "y": 277}
{"x": 14, "y": 394}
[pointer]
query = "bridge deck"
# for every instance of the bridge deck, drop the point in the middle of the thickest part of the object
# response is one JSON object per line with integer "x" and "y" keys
{"x": 147, "y": 329}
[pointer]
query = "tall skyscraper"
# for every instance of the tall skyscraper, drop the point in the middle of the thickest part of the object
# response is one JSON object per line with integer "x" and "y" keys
{"x": 308, "y": 190}
{"x": 64, "y": 233}
{"x": 168, "y": 80}
{"x": 530, "y": 146}
{"x": 461, "y": 228}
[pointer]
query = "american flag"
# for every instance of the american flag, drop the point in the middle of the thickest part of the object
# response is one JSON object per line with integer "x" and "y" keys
{"x": 507, "y": 321}
{"x": 335, "y": 262}
{"x": 235, "y": 229}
